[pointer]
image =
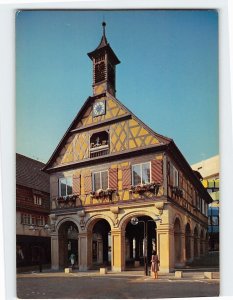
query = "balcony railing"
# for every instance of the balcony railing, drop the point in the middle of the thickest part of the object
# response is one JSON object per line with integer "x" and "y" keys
{"x": 99, "y": 151}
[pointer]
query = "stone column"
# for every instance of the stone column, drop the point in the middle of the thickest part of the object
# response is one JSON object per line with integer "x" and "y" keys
{"x": 165, "y": 247}
{"x": 85, "y": 251}
{"x": 54, "y": 251}
{"x": 118, "y": 250}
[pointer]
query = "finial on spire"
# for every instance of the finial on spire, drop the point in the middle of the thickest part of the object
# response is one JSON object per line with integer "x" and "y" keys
{"x": 104, "y": 25}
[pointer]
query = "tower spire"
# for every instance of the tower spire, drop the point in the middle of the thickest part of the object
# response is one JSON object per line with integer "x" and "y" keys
{"x": 104, "y": 66}
{"x": 104, "y": 25}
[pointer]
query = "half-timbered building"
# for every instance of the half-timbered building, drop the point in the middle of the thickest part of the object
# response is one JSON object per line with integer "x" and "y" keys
{"x": 33, "y": 245}
{"x": 110, "y": 167}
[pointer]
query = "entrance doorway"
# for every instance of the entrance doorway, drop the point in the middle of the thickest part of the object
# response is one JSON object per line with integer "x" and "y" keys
{"x": 188, "y": 242}
{"x": 177, "y": 242}
{"x": 101, "y": 244}
{"x": 68, "y": 244}
{"x": 140, "y": 241}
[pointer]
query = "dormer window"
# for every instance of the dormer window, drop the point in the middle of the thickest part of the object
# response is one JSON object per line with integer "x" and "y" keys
{"x": 99, "y": 144}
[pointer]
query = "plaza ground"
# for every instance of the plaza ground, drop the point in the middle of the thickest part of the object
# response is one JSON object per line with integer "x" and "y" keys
{"x": 128, "y": 284}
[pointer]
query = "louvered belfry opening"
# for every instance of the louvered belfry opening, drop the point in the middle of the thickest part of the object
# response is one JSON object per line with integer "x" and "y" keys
{"x": 104, "y": 66}
{"x": 99, "y": 68}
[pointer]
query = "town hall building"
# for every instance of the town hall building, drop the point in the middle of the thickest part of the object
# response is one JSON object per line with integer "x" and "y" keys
{"x": 119, "y": 190}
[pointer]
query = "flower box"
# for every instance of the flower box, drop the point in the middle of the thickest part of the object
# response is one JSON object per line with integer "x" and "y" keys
{"x": 142, "y": 188}
{"x": 69, "y": 198}
{"x": 102, "y": 193}
{"x": 177, "y": 191}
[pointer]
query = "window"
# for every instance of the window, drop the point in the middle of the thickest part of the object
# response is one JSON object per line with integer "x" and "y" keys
{"x": 37, "y": 200}
{"x": 65, "y": 186}
{"x": 175, "y": 176}
{"x": 26, "y": 219}
{"x": 100, "y": 180}
{"x": 141, "y": 173}
{"x": 40, "y": 221}
{"x": 33, "y": 220}
{"x": 215, "y": 221}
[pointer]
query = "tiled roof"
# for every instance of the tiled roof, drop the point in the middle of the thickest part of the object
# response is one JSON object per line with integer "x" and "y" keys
{"x": 29, "y": 174}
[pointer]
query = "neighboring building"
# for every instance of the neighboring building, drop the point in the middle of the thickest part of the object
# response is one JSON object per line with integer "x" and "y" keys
{"x": 109, "y": 168}
{"x": 209, "y": 169}
{"x": 33, "y": 245}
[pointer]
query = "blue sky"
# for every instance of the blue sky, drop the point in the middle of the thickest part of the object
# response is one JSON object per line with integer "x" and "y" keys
{"x": 168, "y": 74}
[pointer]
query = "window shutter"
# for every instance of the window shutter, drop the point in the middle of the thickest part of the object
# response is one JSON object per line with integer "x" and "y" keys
{"x": 157, "y": 171}
{"x": 113, "y": 179}
{"x": 76, "y": 184}
{"x": 180, "y": 180}
{"x": 88, "y": 183}
{"x": 126, "y": 177}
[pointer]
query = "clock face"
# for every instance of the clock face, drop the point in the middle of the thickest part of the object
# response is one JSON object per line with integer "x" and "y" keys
{"x": 99, "y": 108}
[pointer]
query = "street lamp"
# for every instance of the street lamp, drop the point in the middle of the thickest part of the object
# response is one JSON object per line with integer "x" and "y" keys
{"x": 134, "y": 221}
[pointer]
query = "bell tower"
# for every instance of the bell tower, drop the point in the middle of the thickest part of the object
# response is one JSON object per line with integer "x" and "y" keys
{"x": 104, "y": 67}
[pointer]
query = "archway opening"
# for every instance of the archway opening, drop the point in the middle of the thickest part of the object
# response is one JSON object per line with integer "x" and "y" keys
{"x": 196, "y": 242}
{"x": 188, "y": 242}
{"x": 202, "y": 243}
{"x": 101, "y": 244}
{"x": 68, "y": 244}
{"x": 140, "y": 241}
{"x": 177, "y": 241}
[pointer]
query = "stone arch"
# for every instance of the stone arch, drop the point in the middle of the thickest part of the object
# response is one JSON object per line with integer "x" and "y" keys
{"x": 177, "y": 240}
{"x": 188, "y": 242}
{"x": 66, "y": 219}
{"x": 93, "y": 219}
{"x": 178, "y": 216}
{"x": 127, "y": 217}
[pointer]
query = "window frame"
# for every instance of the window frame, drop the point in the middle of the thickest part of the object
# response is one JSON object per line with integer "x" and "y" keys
{"x": 93, "y": 180}
{"x": 40, "y": 221}
{"x": 37, "y": 200}
{"x": 140, "y": 164}
{"x": 176, "y": 178}
{"x": 59, "y": 190}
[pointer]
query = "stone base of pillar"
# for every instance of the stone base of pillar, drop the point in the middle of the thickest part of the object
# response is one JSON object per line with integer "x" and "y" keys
{"x": 166, "y": 270}
{"x": 82, "y": 268}
{"x": 54, "y": 268}
{"x": 179, "y": 265}
{"x": 117, "y": 269}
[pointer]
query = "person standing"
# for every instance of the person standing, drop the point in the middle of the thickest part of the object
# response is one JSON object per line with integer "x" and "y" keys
{"x": 155, "y": 264}
{"x": 72, "y": 259}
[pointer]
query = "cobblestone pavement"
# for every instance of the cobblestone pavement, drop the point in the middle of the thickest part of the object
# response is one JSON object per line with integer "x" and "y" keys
{"x": 134, "y": 285}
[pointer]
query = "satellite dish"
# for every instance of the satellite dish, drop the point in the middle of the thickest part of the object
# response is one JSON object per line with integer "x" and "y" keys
{"x": 134, "y": 221}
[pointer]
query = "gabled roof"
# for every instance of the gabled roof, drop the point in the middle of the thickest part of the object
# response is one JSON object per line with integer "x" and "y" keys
{"x": 29, "y": 173}
{"x": 162, "y": 139}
